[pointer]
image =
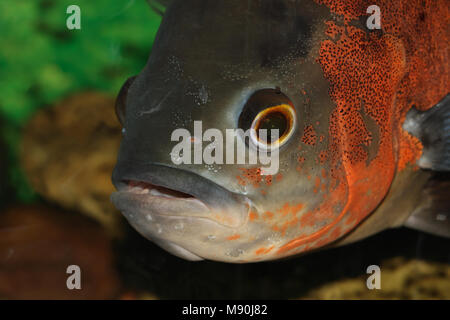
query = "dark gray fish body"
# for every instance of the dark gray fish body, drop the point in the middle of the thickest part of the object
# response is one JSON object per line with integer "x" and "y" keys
{"x": 230, "y": 64}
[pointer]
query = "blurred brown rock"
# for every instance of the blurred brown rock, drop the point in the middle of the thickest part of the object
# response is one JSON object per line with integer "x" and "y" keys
{"x": 69, "y": 151}
{"x": 37, "y": 244}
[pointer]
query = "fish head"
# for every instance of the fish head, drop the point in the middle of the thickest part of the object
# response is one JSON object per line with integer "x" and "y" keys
{"x": 230, "y": 65}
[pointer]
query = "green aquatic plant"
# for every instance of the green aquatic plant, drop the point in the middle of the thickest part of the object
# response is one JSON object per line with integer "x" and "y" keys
{"x": 41, "y": 61}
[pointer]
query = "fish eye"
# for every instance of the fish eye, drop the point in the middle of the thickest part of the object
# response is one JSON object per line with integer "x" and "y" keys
{"x": 280, "y": 118}
{"x": 268, "y": 110}
{"x": 121, "y": 100}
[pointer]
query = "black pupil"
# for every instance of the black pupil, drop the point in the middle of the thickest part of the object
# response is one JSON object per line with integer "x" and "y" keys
{"x": 274, "y": 121}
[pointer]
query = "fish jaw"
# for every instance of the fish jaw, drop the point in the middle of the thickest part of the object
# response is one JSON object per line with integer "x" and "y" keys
{"x": 153, "y": 215}
{"x": 189, "y": 226}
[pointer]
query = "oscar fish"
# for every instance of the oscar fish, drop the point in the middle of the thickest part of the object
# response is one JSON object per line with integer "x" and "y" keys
{"x": 362, "y": 114}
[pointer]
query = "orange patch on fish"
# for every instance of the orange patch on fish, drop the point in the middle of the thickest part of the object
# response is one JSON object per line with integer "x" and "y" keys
{"x": 333, "y": 30}
{"x": 317, "y": 183}
{"x": 354, "y": 176}
{"x": 410, "y": 150}
{"x": 286, "y": 209}
{"x": 417, "y": 82}
{"x": 234, "y": 237}
{"x": 309, "y": 136}
{"x": 252, "y": 216}
{"x": 250, "y": 176}
{"x": 301, "y": 161}
{"x": 268, "y": 215}
{"x": 323, "y": 156}
{"x": 263, "y": 250}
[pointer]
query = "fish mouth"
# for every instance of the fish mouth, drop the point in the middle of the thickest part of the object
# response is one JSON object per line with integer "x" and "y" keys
{"x": 166, "y": 191}
{"x": 140, "y": 196}
{"x": 176, "y": 209}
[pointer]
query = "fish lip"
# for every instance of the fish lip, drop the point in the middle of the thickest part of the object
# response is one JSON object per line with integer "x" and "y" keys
{"x": 142, "y": 199}
{"x": 213, "y": 197}
{"x": 146, "y": 195}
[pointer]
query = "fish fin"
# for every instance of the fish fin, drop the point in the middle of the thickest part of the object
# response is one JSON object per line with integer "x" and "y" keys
{"x": 433, "y": 215}
{"x": 432, "y": 127}
{"x": 159, "y": 6}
